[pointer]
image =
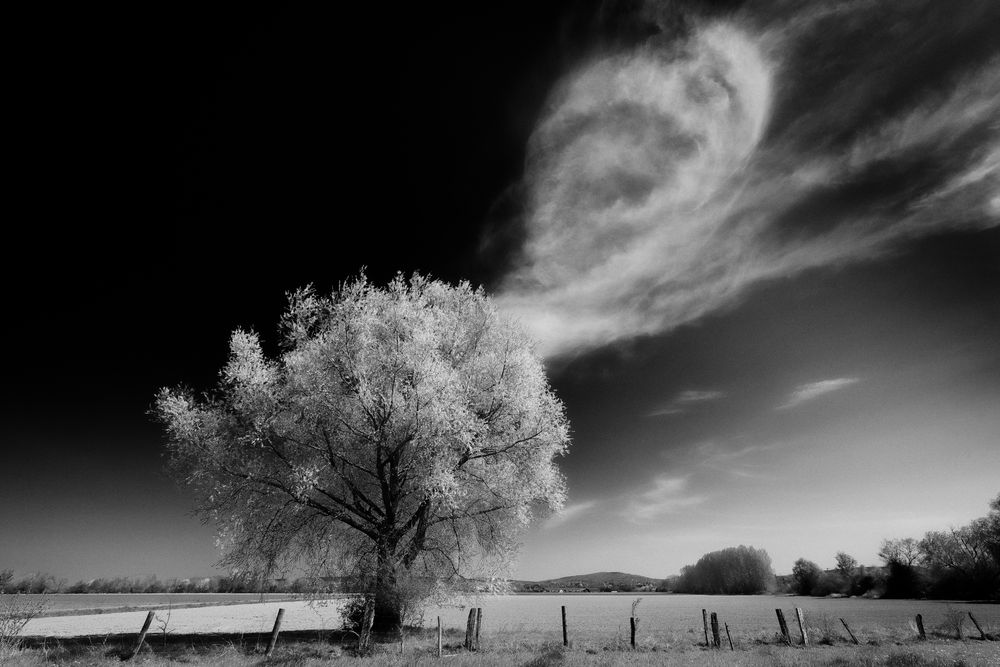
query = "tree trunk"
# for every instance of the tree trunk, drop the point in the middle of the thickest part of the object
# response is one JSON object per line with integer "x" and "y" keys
{"x": 388, "y": 606}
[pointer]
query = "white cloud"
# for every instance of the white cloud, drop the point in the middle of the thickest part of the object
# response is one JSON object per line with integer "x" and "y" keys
{"x": 652, "y": 200}
{"x": 680, "y": 403}
{"x": 813, "y": 390}
{"x": 664, "y": 495}
{"x": 698, "y": 396}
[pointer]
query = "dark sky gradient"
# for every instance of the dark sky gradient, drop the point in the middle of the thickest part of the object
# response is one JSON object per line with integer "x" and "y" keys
{"x": 824, "y": 373}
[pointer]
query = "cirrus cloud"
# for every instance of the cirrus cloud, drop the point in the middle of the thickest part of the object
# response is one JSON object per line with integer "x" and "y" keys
{"x": 664, "y": 182}
{"x": 812, "y": 390}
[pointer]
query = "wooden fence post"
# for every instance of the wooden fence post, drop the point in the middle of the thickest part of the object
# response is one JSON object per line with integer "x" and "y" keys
{"x": 730, "y": 638}
{"x": 846, "y": 627}
{"x": 920, "y": 627}
{"x": 783, "y": 626}
{"x": 704, "y": 620}
{"x": 716, "y": 642}
{"x": 142, "y": 635}
{"x": 274, "y": 632}
{"x": 565, "y": 637}
{"x": 802, "y": 626}
{"x": 479, "y": 624}
{"x": 631, "y": 620}
{"x": 982, "y": 635}
{"x": 439, "y": 636}
{"x": 470, "y": 629}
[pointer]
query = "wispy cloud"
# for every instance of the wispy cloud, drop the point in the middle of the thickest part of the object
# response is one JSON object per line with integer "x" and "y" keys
{"x": 683, "y": 400}
{"x": 664, "y": 495}
{"x": 813, "y": 390}
{"x": 746, "y": 462}
{"x": 665, "y": 182}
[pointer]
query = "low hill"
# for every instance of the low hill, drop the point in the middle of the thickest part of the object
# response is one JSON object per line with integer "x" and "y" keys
{"x": 594, "y": 582}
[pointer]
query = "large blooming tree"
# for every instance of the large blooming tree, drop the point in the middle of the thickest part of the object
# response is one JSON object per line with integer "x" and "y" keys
{"x": 406, "y": 432}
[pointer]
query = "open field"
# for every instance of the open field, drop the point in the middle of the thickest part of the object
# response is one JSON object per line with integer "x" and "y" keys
{"x": 233, "y": 618}
{"x": 592, "y": 620}
{"x": 525, "y": 630}
{"x": 667, "y": 619}
{"x": 65, "y": 604}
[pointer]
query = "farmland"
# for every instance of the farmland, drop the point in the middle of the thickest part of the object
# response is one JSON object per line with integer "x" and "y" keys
{"x": 520, "y": 629}
{"x": 66, "y": 604}
{"x": 667, "y": 619}
{"x": 597, "y": 619}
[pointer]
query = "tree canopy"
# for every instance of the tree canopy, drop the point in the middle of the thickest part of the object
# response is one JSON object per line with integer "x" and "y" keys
{"x": 738, "y": 570}
{"x": 400, "y": 430}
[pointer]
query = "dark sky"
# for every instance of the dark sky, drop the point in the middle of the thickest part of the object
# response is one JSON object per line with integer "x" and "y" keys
{"x": 758, "y": 243}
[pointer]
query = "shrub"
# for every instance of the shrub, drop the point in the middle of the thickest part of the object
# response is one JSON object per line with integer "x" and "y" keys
{"x": 352, "y": 613}
{"x": 15, "y": 612}
{"x": 903, "y": 581}
{"x": 805, "y": 576}
{"x": 828, "y": 583}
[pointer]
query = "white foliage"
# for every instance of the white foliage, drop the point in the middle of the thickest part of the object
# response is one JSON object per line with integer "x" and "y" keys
{"x": 411, "y": 426}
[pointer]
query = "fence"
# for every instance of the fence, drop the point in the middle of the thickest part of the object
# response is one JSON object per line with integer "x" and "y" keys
{"x": 712, "y": 626}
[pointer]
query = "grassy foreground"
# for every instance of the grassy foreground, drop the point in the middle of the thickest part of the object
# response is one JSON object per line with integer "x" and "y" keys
{"x": 306, "y": 649}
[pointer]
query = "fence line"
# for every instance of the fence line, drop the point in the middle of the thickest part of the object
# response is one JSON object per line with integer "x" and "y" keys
{"x": 475, "y": 619}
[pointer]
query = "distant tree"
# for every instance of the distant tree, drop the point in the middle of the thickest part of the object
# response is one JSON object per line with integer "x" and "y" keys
{"x": 738, "y": 570}
{"x": 6, "y": 577}
{"x": 846, "y": 565}
{"x": 805, "y": 576}
{"x": 962, "y": 561}
{"x": 864, "y": 581}
{"x": 847, "y": 572}
{"x": 903, "y": 581}
{"x": 37, "y": 583}
{"x": 905, "y": 551}
{"x": 79, "y": 587}
{"x": 403, "y": 432}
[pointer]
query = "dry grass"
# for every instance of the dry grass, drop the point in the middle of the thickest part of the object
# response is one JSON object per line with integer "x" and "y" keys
{"x": 15, "y": 612}
{"x": 420, "y": 650}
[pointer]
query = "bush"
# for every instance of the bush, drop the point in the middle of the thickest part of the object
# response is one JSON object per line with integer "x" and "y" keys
{"x": 352, "y": 613}
{"x": 903, "y": 581}
{"x": 829, "y": 583}
{"x": 805, "y": 577}
{"x": 864, "y": 582}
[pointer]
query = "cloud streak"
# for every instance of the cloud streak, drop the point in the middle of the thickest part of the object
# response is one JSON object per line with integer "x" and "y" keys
{"x": 680, "y": 403}
{"x": 664, "y": 495}
{"x": 813, "y": 390}
{"x": 661, "y": 185}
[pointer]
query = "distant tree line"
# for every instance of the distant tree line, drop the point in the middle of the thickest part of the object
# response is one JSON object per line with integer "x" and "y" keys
{"x": 43, "y": 582}
{"x": 847, "y": 579}
{"x": 956, "y": 564}
{"x": 960, "y": 563}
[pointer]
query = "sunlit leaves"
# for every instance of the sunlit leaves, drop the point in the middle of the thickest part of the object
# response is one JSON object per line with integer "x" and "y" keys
{"x": 410, "y": 424}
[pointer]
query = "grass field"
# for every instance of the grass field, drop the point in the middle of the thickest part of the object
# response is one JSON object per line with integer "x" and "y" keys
{"x": 421, "y": 650}
{"x": 667, "y": 619}
{"x": 597, "y": 619}
{"x": 526, "y": 629}
{"x": 61, "y": 604}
